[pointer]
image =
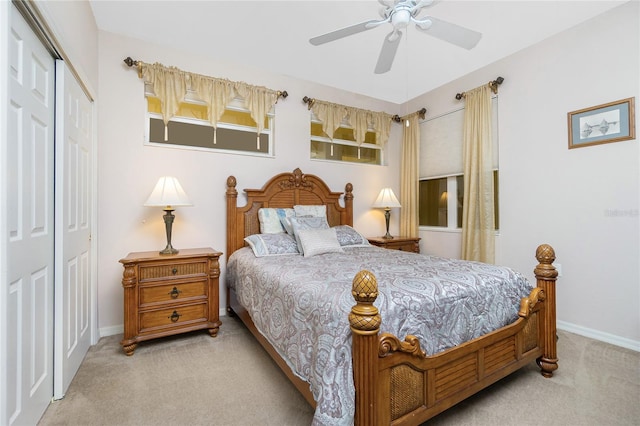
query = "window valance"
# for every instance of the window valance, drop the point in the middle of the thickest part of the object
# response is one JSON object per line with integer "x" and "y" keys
{"x": 334, "y": 115}
{"x": 171, "y": 84}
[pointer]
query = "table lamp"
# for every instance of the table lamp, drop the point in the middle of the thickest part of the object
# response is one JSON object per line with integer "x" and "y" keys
{"x": 386, "y": 200}
{"x": 168, "y": 194}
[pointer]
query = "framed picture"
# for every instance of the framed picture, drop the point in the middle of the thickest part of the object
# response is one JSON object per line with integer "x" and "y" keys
{"x": 612, "y": 122}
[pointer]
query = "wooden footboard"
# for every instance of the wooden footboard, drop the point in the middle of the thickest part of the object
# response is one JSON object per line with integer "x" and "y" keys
{"x": 396, "y": 383}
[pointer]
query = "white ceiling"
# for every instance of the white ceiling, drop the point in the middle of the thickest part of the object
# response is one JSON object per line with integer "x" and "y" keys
{"x": 275, "y": 35}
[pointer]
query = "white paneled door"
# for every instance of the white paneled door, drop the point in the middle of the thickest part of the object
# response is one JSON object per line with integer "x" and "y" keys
{"x": 46, "y": 292}
{"x": 73, "y": 228}
{"x": 29, "y": 225}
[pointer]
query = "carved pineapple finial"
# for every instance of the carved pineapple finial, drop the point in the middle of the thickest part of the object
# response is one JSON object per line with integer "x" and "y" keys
{"x": 545, "y": 269}
{"x": 545, "y": 254}
{"x": 364, "y": 317}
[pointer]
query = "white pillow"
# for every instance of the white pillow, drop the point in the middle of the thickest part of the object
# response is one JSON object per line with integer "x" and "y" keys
{"x": 306, "y": 222}
{"x": 271, "y": 219}
{"x": 315, "y": 211}
{"x": 318, "y": 241}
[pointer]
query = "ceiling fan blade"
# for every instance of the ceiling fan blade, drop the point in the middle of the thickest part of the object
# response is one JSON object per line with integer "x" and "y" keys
{"x": 452, "y": 33}
{"x": 388, "y": 52}
{"x": 344, "y": 32}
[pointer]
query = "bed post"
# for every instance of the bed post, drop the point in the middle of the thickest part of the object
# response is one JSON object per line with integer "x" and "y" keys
{"x": 232, "y": 204}
{"x": 546, "y": 275}
{"x": 364, "y": 320}
{"x": 348, "y": 204}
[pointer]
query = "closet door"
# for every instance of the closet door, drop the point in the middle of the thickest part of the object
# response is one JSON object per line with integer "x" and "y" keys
{"x": 73, "y": 311}
{"x": 29, "y": 225}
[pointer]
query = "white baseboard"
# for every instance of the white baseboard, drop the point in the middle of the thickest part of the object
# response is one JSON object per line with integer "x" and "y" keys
{"x": 599, "y": 335}
{"x": 110, "y": 331}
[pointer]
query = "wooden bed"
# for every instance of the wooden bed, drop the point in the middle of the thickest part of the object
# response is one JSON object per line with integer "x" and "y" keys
{"x": 395, "y": 382}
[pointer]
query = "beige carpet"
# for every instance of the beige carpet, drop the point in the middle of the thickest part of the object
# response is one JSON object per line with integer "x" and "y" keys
{"x": 194, "y": 379}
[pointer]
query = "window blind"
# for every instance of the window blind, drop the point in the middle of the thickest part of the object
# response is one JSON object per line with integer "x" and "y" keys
{"x": 441, "y": 143}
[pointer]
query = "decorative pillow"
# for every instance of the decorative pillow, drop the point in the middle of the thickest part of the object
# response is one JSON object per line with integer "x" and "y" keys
{"x": 318, "y": 241}
{"x": 306, "y": 222}
{"x": 316, "y": 211}
{"x": 270, "y": 219}
{"x": 286, "y": 224}
{"x": 272, "y": 244}
{"x": 349, "y": 237}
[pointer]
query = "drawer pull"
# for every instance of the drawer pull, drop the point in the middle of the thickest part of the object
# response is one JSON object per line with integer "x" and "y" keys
{"x": 174, "y": 271}
{"x": 174, "y": 293}
{"x": 175, "y": 316}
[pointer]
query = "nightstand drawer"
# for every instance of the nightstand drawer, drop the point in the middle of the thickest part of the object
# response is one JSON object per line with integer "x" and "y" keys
{"x": 176, "y": 270}
{"x": 402, "y": 246}
{"x": 170, "y": 293}
{"x": 397, "y": 243}
{"x": 172, "y": 317}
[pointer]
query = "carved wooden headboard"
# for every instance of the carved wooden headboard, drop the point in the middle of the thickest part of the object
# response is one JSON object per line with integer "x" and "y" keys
{"x": 282, "y": 191}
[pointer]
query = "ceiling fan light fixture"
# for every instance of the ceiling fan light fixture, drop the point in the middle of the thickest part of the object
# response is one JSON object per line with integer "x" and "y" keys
{"x": 401, "y": 18}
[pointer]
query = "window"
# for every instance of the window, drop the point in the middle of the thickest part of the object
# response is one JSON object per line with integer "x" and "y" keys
{"x": 437, "y": 208}
{"x": 236, "y": 131}
{"x": 346, "y": 133}
{"x": 441, "y": 170}
{"x": 343, "y": 147}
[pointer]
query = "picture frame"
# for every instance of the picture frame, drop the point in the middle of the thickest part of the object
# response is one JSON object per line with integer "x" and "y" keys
{"x": 600, "y": 124}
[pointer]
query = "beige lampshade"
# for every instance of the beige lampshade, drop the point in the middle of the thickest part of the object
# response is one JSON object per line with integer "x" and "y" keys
{"x": 168, "y": 193}
{"x": 386, "y": 199}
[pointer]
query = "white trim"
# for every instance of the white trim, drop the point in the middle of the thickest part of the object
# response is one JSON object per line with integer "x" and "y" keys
{"x": 425, "y": 228}
{"x": 345, "y": 142}
{"x": 4, "y": 286}
{"x": 634, "y": 345}
{"x": 111, "y": 330}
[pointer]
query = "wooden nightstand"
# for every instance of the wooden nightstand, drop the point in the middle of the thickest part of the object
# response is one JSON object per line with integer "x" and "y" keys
{"x": 169, "y": 294}
{"x": 397, "y": 243}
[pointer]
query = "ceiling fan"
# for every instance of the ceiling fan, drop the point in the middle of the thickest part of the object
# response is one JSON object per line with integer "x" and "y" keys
{"x": 400, "y": 13}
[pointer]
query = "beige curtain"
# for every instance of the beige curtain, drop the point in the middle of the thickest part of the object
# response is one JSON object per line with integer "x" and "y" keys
{"x": 170, "y": 85}
{"x": 333, "y": 115}
{"x": 409, "y": 179}
{"x": 330, "y": 114}
{"x": 258, "y": 100}
{"x": 478, "y": 220}
{"x": 216, "y": 94}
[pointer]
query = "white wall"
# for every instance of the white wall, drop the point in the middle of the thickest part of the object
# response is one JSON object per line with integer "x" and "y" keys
{"x": 75, "y": 28}
{"x": 550, "y": 194}
{"x": 128, "y": 170}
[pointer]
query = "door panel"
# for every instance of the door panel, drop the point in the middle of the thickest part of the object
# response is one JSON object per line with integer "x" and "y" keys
{"x": 30, "y": 226}
{"x": 73, "y": 227}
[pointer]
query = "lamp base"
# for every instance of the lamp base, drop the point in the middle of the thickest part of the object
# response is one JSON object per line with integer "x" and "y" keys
{"x": 171, "y": 250}
{"x": 387, "y": 216}
{"x": 168, "y": 222}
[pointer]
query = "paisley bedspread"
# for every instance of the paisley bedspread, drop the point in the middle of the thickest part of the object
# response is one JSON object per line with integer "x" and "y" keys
{"x": 301, "y": 305}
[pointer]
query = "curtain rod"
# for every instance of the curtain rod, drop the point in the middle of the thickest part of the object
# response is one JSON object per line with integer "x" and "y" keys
{"x": 310, "y": 101}
{"x": 138, "y": 64}
{"x": 421, "y": 112}
{"x": 493, "y": 84}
